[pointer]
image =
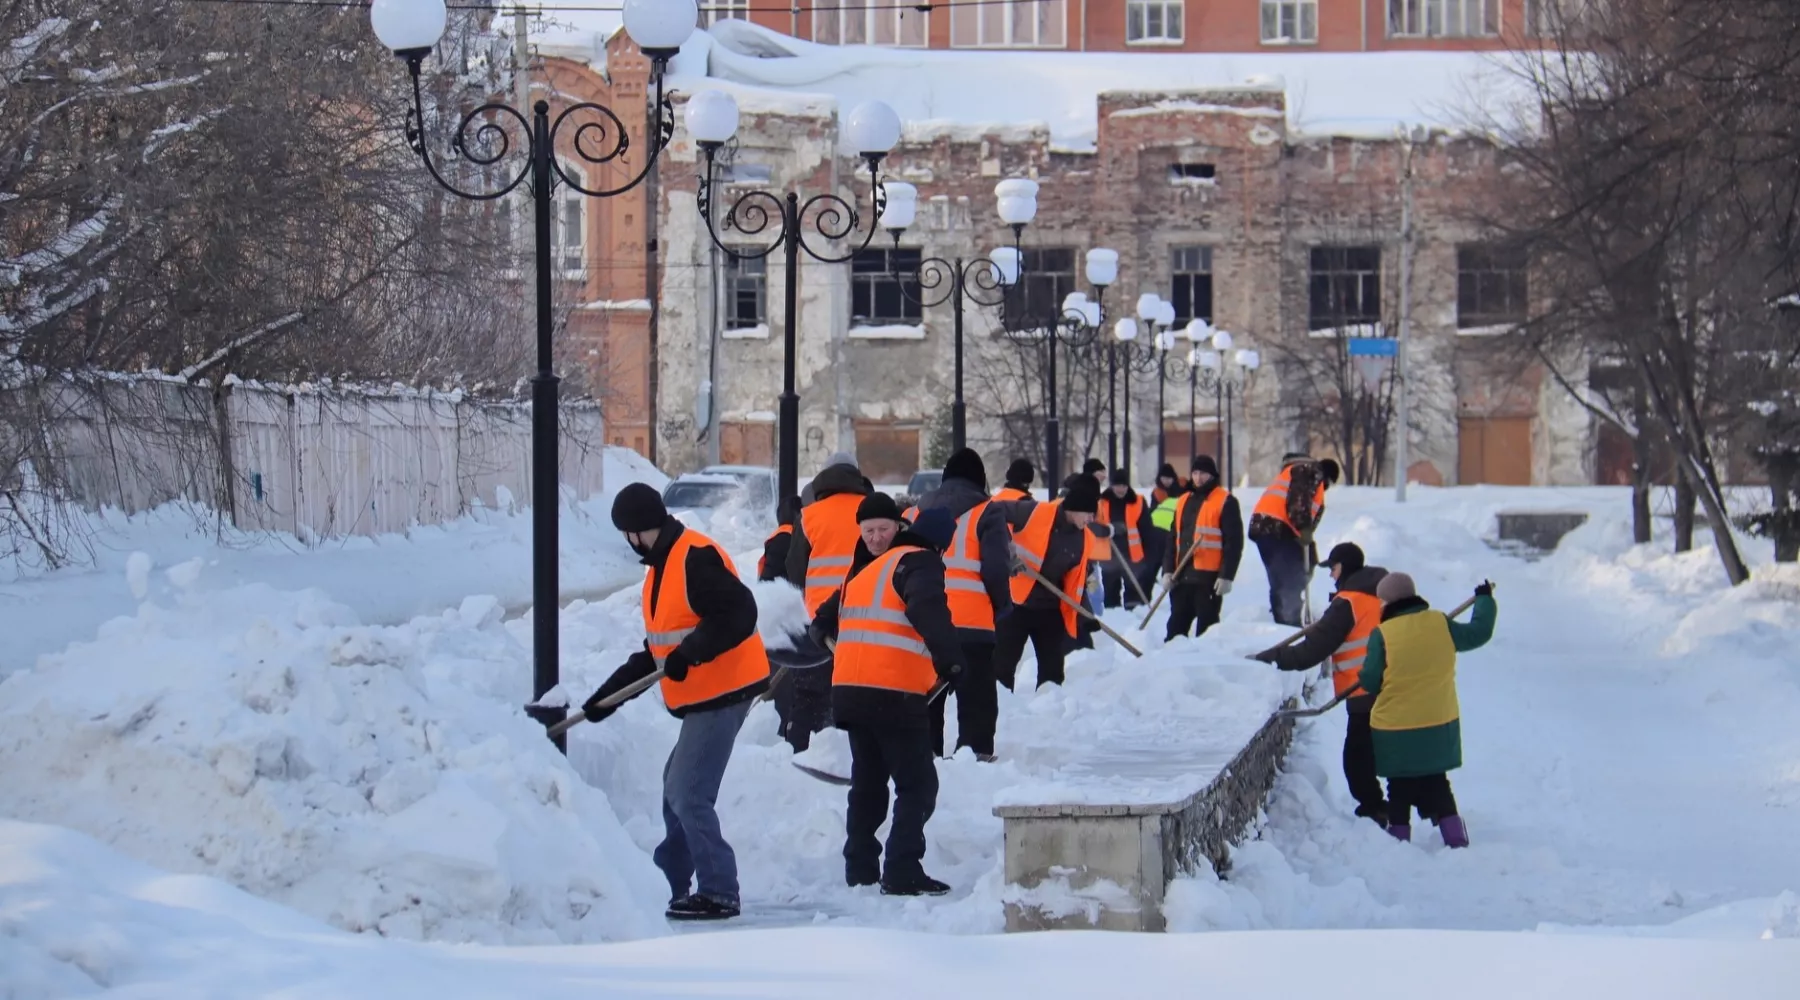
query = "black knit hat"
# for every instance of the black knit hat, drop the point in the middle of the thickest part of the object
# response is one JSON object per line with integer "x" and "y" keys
{"x": 966, "y": 463}
{"x": 1205, "y": 463}
{"x": 1331, "y": 469}
{"x": 1020, "y": 472}
{"x": 1092, "y": 466}
{"x": 875, "y": 506}
{"x": 1167, "y": 472}
{"x": 935, "y": 526}
{"x": 638, "y": 507}
{"x": 1119, "y": 477}
{"x": 1346, "y": 554}
{"x": 1084, "y": 496}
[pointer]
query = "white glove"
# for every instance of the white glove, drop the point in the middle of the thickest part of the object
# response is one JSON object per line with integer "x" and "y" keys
{"x": 1222, "y": 587}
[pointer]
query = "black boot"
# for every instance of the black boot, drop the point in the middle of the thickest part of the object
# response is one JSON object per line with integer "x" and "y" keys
{"x": 917, "y": 884}
{"x": 698, "y": 907}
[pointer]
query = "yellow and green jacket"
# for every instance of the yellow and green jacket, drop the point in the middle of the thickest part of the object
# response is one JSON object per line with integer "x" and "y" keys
{"x": 1410, "y": 668}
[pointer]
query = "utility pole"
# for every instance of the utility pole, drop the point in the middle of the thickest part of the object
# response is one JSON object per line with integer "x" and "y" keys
{"x": 521, "y": 57}
{"x": 1406, "y": 252}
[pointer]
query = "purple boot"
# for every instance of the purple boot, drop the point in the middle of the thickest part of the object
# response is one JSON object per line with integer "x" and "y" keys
{"x": 1400, "y": 831}
{"x": 1455, "y": 833}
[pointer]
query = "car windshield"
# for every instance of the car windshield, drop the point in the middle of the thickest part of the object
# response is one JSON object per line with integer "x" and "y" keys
{"x": 922, "y": 481}
{"x": 701, "y": 494}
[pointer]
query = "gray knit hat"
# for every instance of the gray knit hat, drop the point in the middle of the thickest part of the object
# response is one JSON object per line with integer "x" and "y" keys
{"x": 1395, "y": 587}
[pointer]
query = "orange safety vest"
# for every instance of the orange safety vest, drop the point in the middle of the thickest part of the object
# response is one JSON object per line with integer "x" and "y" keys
{"x": 832, "y": 533}
{"x": 762, "y": 561}
{"x": 1008, "y": 493}
{"x": 674, "y": 620}
{"x": 910, "y": 515}
{"x": 1133, "y": 539}
{"x": 1098, "y": 549}
{"x": 877, "y": 645}
{"x": 1158, "y": 495}
{"x": 969, "y": 604}
{"x": 1209, "y": 555}
{"x": 1273, "y": 502}
{"x": 1346, "y": 663}
{"x": 1032, "y": 542}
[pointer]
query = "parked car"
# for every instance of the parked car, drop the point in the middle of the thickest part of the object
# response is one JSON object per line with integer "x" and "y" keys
{"x": 759, "y": 479}
{"x": 924, "y": 481}
{"x": 703, "y": 493}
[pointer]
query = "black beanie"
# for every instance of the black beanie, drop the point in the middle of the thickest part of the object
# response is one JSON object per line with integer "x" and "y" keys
{"x": 1167, "y": 472}
{"x": 1093, "y": 465}
{"x": 1084, "y": 496}
{"x": 638, "y": 507}
{"x": 935, "y": 526}
{"x": 1020, "y": 472}
{"x": 1346, "y": 554}
{"x": 877, "y": 505}
{"x": 1205, "y": 463}
{"x": 966, "y": 464}
{"x": 1331, "y": 469}
{"x": 1120, "y": 477}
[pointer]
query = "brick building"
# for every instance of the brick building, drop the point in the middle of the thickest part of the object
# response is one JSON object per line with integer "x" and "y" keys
{"x": 1269, "y": 206}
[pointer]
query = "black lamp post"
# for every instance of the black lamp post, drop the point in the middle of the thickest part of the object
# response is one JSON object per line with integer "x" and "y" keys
{"x": 1139, "y": 341}
{"x": 872, "y": 128}
{"x": 1077, "y": 326}
{"x": 411, "y": 28}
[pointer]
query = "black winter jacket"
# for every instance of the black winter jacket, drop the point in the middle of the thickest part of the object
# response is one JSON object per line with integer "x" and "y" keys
{"x": 919, "y": 578}
{"x": 1067, "y": 543}
{"x": 1304, "y": 479}
{"x": 1231, "y": 526}
{"x": 775, "y": 556}
{"x": 1332, "y": 628}
{"x": 833, "y": 480}
{"x": 958, "y": 497}
{"x": 727, "y": 617}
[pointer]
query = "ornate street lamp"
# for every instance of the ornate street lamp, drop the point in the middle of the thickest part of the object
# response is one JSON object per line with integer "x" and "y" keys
{"x": 1077, "y": 326}
{"x": 872, "y": 129}
{"x": 1227, "y": 372}
{"x": 411, "y": 28}
{"x": 1155, "y": 316}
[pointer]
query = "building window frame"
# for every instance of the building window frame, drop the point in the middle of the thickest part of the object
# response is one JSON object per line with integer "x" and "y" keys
{"x": 1493, "y": 287}
{"x": 1290, "y": 22}
{"x": 1023, "y": 24}
{"x": 870, "y": 22}
{"x": 1343, "y": 286}
{"x": 1191, "y": 283}
{"x": 880, "y": 279}
{"x": 1443, "y": 18}
{"x": 714, "y": 11}
{"x": 745, "y": 284}
{"x": 1155, "y": 22}
{"x": 1047, "y": 276}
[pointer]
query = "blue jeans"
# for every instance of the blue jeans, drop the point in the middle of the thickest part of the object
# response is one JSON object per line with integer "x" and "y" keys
{"x": 692, "y": 843}
{"x": 1284, "y": 559}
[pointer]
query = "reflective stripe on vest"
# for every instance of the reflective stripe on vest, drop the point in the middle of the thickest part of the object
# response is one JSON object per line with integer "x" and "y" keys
{"x": 1347, "y": 661}
{"x": 1134, "y": 541}
{"x": 1209, "y": 555}
{"x": 877, "y": 645}
{"x": 831, "y": 534}
{"x": 970, "y": 607}
{"x": 674, "y": 620}
{"x": 1031, "y": 543}
{"x": 762, "y": 561}
{"x": 910, "y": 515}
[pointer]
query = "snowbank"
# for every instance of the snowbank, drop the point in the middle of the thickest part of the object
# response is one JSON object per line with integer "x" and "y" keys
{"x": 379, "y": 778}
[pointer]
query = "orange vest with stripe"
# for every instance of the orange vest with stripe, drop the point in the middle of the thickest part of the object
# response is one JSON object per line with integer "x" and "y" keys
{"x": 832, "y": 533}
{"x": 1346, "y": 663}
{"x": 876, "y": 645}
{"x": 910, "y": 515}
{"x": 674, "y": 620}
{"x": 1209, "y": 555}
{"x": 1273, "y": 502}
{"x": 762, "y": 561}
{"x": 1032, "y": 542}
{"x": 1008, "y": 493}
{"x": 1134, "y": 540}
{"x": 970, "y": 607}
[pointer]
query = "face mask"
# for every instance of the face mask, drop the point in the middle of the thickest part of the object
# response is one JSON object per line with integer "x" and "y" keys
{"x": 643, "y": 551}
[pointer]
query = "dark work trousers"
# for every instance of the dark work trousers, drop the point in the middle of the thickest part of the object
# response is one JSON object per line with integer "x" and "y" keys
{"x": 1430, "y": 794}
{"x": 1192, "y": 600}
{"x": 1284, "y": 559}
{"x": 1359, "y": 767}
{"x": 900, "y": 752}
{"x": 803, "y": 702}
{"x": 1044, "y": 627}
{"x": 977, "y": 703}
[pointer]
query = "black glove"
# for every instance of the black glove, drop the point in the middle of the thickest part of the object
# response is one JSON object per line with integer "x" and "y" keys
{"x": 1486, "y": 589}
{"x": 950, "y": 673}
{"x": 675, "y": 666}
{"x": 591, "y": 708}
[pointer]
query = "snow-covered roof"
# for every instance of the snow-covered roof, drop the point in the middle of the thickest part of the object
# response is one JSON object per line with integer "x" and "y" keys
{"x": 972, "y": 91}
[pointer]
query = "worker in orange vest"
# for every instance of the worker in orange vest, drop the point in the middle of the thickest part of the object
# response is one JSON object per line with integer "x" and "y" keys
{"x": 700, "y": 630}
{"x": 1128, "y": 516}
{"x": 895, "y": 643}
{"x": 1209, "y": 530}
{"x": 773, "y": 564}
{"x": 1282, "y": 525}
{"x": 1051, "y": 538}
{"x": 1018, "y": 481}
{"x": 1342, "y": 635}
{"x": 825, "y": 533}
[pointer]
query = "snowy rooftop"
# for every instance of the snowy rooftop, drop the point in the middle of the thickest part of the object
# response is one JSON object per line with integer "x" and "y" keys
{"x": 969, "y": 92}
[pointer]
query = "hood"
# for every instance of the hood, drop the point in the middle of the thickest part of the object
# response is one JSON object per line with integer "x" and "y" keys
{"x": 835, "y": 479}
{"x": 957, "y": 496}
{"x": 1362, "y": 581}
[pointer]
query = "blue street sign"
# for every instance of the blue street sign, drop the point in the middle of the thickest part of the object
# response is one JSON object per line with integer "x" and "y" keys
{"x": 1373, "y": 346}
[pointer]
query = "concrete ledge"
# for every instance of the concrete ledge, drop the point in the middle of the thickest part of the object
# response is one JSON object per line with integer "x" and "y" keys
{"x": 1538, "y": 530}
{"x": 1107, "y": 867}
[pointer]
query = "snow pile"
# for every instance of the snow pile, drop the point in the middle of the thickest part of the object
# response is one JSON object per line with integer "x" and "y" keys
{"x": 380, "y": 778}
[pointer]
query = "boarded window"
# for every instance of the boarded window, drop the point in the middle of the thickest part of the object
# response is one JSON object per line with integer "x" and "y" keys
{"x": 747, "y": 443}
{"x": 887, "y": 453}
{"x": 1494, "y": 450}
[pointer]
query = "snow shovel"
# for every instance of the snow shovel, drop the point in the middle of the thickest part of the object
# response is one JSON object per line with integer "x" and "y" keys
{"x": 1081, "y": 609}
{"x": 798, "y": 662}
{"x": 618, "y": 697}
{"x": 1307, "y": 713}
{"x": 1124, "y": 565}
{"x": 1179, "y": 563}
{"x": 843, "y": 782}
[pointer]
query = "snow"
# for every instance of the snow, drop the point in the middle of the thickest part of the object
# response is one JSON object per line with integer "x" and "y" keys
{"x": 889, "y": 331}
{"x": 1630, "y": 789}
{"x": 758, "y": 332}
